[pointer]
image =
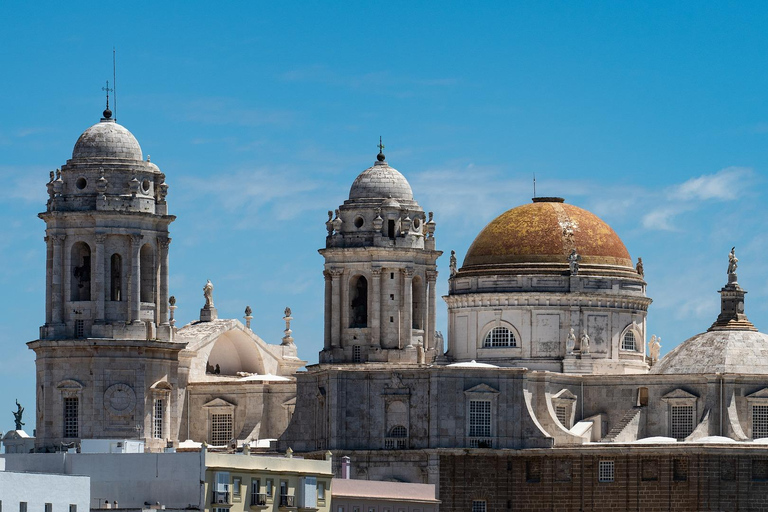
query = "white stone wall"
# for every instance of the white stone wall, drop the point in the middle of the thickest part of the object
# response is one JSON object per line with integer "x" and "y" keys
{"x": 38, "y": 489}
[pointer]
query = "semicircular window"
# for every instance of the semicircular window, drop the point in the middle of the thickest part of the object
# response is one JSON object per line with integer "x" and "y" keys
{"x": 500, "y": 337}
{"x": 628, "y": 342}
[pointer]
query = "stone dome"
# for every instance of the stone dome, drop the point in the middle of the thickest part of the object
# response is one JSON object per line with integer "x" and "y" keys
{"x": 544, "y": 232}
{"x": 380, "y": 182}
{"x": 107, "y": 139}
{"x": 726, "y": 351}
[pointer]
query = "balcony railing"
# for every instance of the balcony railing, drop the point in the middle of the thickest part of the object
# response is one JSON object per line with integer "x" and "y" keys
{"x": 287, "y": 501}
{"x": 481, "y": 442}
{"x": 220, "y": 498}
{"x": 259, "y": 500}
{"x": 395, "y": 443}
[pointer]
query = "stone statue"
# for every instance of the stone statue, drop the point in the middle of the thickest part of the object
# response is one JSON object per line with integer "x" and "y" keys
{"x": 584, "y": 347}
{"x": 329, "y": 223}
{"x": 17, "y": 415}
{"x": 287, "y": 312}
{"x": 248, "y": 311}
{"x": 654, "y": 348}
{"x": 208, "y": 294}
{"x": 172, "y": 300}
{"x": 570, "y": 344}
{"x": 453, "y": 263}
{"x": 217, "y": 370}
{"x": 58, "y": 174}
{"x": 573, "y": 262}
{"x": 639, "y": 267}
{"x": 51, "y": 175}
{"x": 733, "y": 262}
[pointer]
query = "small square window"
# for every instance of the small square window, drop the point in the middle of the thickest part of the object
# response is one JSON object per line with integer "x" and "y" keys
{"x": 479, "y": 506}
{"x": 391, "y": 275}
{"x": 605, "y": 471}
{"x": 391, "y": 296}
{"x": 73, "y": 508}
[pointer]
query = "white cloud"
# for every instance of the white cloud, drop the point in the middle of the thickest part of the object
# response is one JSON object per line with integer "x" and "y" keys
{"x": 724, "y": 185}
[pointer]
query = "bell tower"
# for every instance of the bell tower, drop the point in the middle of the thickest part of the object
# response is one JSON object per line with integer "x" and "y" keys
{"x": 380, "y": 273}
{"x": 106, "y": 353}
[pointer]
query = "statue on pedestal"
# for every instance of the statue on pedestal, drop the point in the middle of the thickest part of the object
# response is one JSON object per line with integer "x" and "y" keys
{"x": 17, "y": 415}
{"x": 452, "y": 264}
{"x": 573, "y": 262}
{"x": 584, "y": 346}
{"x": 570, "y": 344}
{"x": 733, "y": 262}
{"x": 208, "y": 294}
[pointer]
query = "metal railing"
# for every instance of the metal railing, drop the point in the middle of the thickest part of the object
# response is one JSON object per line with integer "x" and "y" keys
{"x": 481, "y": 442}
{"x": 220, "y": 497}
{"x": 259, "y": 500}
{"x": 287, "y": 501}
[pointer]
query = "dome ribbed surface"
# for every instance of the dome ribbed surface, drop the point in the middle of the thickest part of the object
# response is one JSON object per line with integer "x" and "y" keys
{"x": 545, "y": 232}
{"x": 380, "y": 182}
{"x": 718, "y": 351}
{"x": 107, "y": 139}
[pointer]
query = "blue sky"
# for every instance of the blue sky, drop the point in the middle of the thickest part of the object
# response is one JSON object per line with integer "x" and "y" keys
{"x": 653, "y": 116}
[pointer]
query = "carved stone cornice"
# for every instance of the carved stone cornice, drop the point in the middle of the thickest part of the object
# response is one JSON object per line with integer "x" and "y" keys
{"x": 432, "y": 275}
{"x": 376, "y": 271}
{"x": 100, "y": 238}
{"x": 136, "y": 239}
{"x": 336, "y": 272}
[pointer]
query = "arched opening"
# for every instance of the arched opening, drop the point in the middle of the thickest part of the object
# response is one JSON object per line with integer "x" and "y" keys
{"x": 116, "y": 272}
{"x": 80, "y": 284}
{"x": 147, "y": 262}
{"x": 417, "y": 296}
{"x": 358, "y": 304}
{"x": 233, "y": 353}
{"x": 499, "y": 337}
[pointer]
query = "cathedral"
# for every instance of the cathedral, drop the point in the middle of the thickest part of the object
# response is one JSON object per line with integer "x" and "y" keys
{"x": 546, "y": 385}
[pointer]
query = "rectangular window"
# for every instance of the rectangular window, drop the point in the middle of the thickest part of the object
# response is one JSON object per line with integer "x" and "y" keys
{"x": 236, "y": 483}
{"x": 222, "y": 482}
{"x": 479, "y": 506}
{"x": 79, "y": 328}
{"x": 628, "y": 341}
{"x": 605, "y": 471}
{"x": 479, "y": 418}
{"x": 270, "y": 485}
{"x": 356, "y": 354}
{"x": 48, "y": 507}
{"x": 157, "y": 421}
{"x": 759, "y": 421}
{"x": 682, "y": 421}
{"x": 321, "y": 491}
{"x": 70, "y": 417}
{"x": 73, "y": 508}
{"x": 391, "y": 275}
{"x": 391, "y": 229}
{"x": 221, "y": 429}
{"x": 680, "y": 470}
{"x": 22, "y": 506}
{"x": 562, "y": 415}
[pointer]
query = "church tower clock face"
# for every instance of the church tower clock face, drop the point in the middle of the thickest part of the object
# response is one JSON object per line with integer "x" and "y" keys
{"x": 119, "y": 399}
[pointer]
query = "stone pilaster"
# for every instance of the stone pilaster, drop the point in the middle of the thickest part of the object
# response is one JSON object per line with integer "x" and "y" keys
{"x": 336, "y": 274}
{"x": 99, "y": 279}
{"x": 407, "y": 325}
{"x": 134, "y": 280}
{"x": 161, "y": 303}
{"x": 375, "y": 310}
{"x": 431, "y": 320}
{"x": 57, "y": 284}
{"x": 328, "y": 299}
{"x": 48, "y": 277}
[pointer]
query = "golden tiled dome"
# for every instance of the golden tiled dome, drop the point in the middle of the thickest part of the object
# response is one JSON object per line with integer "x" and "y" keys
{"x": 542, "y": 234}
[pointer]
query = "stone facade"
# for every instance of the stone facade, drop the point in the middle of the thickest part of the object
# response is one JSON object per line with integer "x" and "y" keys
{"x": 110, "y": 361}
{"x": 380, "y": 274}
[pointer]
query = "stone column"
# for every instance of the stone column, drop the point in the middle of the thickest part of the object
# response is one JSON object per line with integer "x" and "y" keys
{"x": 57, "y": 284}
{"x": 134, "y": 280}
{"x": 336, "y": 306}
{"x": 48, "y": 278}
{"x": 328, "y": 309}
{"x": 407, "y": 325}
{"x": 431, "y": 313}
{"x": 375, "y": 309}
{"x": 98, "y": 279}
{"x": 161, "y": 301}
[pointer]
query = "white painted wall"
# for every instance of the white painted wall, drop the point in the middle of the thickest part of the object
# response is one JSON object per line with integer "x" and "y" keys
{"x": 37, "y": 489}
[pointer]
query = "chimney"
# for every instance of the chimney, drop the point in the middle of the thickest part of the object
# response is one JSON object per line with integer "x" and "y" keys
{"x": 345, "y": 468}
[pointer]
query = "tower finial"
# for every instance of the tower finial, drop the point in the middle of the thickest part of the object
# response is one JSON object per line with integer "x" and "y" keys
{"x": 107, "y": 112}
{"x": 380, "y": 157}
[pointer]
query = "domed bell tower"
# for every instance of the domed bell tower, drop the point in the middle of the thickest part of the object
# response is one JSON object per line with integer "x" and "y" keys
{"x": 380, "y": 273}
{"x": 106, "y": 361}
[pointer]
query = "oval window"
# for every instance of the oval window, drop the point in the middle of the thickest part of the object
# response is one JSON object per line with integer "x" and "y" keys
{"x": 145, "y": 186}
{"x": 359, "y": 222}
{"x": 81, "y": 183}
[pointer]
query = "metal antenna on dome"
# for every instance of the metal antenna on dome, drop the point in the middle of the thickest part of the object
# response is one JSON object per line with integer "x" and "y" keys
{"x": 114, "y": 81}
{"x": 534, "y": 185}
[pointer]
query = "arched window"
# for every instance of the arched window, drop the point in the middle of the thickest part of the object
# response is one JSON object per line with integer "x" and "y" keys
{"x": 628, "y": 341}
{"x": 116, "y": 267}
{"x": 147, "y": 261}
{"x": 80, "y": 284}
{"x": 417, "y": 295}
{"x": 398, "y": 431}
{"x": 358, "y": 304}
{"x": 500, "y": 337}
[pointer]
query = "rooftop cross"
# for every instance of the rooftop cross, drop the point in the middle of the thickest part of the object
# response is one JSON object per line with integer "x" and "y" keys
{"x": 380, "y": 157}
{"x": 108, "y": 91}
